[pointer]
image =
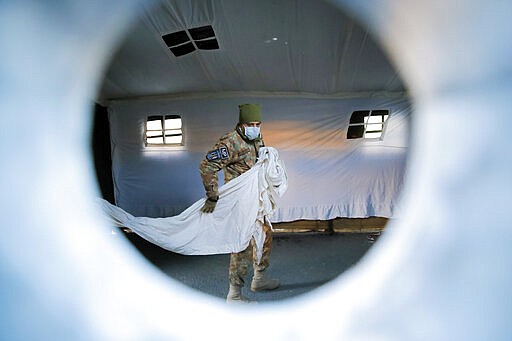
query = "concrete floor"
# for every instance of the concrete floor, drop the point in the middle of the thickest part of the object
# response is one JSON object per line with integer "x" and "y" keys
{"x": 302, "y": 261}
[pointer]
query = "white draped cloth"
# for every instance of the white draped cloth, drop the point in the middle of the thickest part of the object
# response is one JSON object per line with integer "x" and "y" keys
{"x": 245, "y": 204}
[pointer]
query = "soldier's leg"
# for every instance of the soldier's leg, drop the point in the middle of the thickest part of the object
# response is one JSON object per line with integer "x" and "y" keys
{"x": 267, "y": 248}
{"x": 260, "y": 281}
{"x": 238, "y": 268}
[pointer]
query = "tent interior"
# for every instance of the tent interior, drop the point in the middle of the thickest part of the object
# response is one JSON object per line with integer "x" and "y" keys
{"x": 333, "y": 105}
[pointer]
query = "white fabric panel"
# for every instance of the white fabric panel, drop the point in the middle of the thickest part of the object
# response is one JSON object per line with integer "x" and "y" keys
{"x": 329, "y": 176}
{"x": 365, "y": 182}
{"x": 265, "y": 45}
{"x": 245, "y": 203}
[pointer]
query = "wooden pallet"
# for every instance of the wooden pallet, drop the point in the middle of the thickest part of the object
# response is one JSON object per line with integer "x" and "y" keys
{"x": 348, "y": 225}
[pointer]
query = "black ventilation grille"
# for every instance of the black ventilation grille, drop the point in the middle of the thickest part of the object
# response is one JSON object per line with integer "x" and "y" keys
{"x": 202, "y": 32}
{"x": 173, "y": 39}
{"x": 184, "y": 49}
{"x": 180, "y": 43}
{"x": 210, "y": 44}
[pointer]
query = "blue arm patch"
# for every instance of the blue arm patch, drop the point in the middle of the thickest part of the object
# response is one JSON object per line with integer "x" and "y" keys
{"x": 218, "y": 154}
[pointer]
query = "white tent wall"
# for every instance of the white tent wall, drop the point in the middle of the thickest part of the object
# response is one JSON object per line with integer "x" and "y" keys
{"x": 329, "y": 176}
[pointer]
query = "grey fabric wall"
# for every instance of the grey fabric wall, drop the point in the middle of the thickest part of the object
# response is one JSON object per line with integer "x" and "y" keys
{"x": 329, "y": 176}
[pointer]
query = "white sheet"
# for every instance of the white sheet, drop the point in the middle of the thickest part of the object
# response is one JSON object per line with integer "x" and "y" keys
{"x": 245, "y": 203}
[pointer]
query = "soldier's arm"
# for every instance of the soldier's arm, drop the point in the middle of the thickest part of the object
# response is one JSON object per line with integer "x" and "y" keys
{"x": 218, "y": 157}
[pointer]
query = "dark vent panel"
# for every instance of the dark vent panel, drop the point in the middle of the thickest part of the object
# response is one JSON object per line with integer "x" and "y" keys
{"x": 358, "y": 116}
{"x": 177, "y": 38}
{"x": 202, "y": 32}
{"x": 210, "y": 44}
{"x": 180, "y": 44}
{"x": 183, "y": 49}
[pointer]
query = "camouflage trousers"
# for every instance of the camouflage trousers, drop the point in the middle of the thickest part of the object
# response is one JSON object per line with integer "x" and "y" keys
{"x": 239, "y": 262}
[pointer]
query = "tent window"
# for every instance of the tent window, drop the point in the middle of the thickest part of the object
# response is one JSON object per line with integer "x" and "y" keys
{"x": 184, "y": 42}
{"x": 163, "y": 130}
{"x": 367, "y": 124}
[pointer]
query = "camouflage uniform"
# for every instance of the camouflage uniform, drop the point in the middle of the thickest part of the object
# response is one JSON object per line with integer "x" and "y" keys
{"x": 235, "y": 154}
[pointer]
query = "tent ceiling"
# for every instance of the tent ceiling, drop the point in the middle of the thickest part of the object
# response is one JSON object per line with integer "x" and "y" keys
{"x": 305, "y": 46}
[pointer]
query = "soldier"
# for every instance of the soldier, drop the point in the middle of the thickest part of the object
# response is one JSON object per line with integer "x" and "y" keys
{"x": 236, "y": 152}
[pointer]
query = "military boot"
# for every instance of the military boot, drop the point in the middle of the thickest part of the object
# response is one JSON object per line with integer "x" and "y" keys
{"x": 261, "y": 282}
{"x": 235, "y": 295}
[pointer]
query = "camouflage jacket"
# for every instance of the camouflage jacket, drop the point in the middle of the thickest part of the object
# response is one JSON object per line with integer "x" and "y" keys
{"x": 233, "y": 153}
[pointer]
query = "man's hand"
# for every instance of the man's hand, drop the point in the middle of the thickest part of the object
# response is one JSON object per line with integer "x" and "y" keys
{"x": 209, "y": 205}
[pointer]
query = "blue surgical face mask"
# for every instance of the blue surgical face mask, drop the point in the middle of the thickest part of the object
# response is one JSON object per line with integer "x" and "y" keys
{"x": 252, "y": 132}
